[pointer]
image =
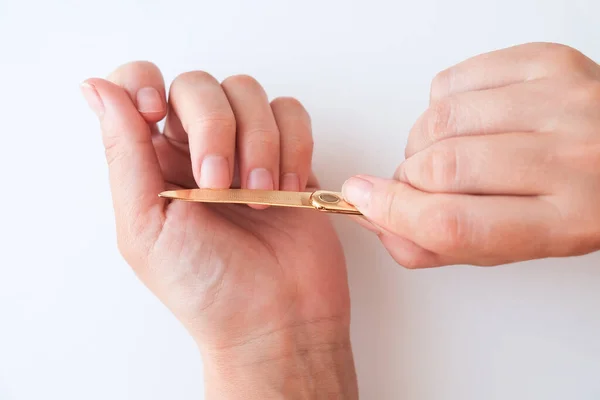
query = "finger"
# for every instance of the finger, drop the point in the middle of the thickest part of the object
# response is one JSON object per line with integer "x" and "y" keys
{"x": 144, "y": 83}
{"x": 478, "y": 230}
{"x": 528, "y": 107}
{"x": 258, "y": 142}
{"x": 365, "y": 223}
{"x": 175, "y": 163}
{"x": 296, "y": 142}
{"x": 403, "y": 251}
{"x": 410, "y": 255}
{"x": 174, "y": 130}
{"x": 203, "y": 110}
{"x": 508, "y": 163}
{"x": 135, "y": 175}
{"x": 511, "y": 65}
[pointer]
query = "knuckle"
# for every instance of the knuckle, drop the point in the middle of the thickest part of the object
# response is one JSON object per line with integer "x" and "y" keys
{"x": 440, "y": 169}
{"x": 183, "y": 80}
{"x": 560, "y": 59}
{"x": 440, "y": 85}
{"x": 587, "y": 94}
{"x": 285, "y": 102}
{"x": 242, "y": 81}
{"x": 299, "y": 146}
{"x": 565, "y": 55}
{"x": 215, "y": 123}
{"x": 390, "y": 202}
{"x": 262, "y": 138}
{"x": 447, "y": 227}
{"x": 134, "y": 69}
{"x": 290, "y": 107}
{"x": 440, "y": 119}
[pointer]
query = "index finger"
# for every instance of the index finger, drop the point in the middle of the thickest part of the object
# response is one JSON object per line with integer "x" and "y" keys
{"x": 510, "y": 65}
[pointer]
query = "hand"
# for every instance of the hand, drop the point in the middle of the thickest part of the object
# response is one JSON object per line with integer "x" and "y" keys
{"x": 263, "y": 292}
{"x": 504, "y": 166}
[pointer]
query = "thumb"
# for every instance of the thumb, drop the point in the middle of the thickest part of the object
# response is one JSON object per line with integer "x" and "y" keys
{"x": 388, "y": 203}
{"x": 479, "y": 230}
{"x": 401, "y": 212}
{"x": 134, "y": 171}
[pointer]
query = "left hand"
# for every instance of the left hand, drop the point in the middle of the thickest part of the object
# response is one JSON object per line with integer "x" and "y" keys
{"x": 264, "y": 292}
{"x": 504, "y": 166}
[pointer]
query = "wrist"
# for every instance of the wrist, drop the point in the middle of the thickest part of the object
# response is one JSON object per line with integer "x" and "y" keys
{"x": 308, "y": 361}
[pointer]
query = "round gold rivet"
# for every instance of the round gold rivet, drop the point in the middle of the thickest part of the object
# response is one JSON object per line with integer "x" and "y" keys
{"x": 329, "y": 198}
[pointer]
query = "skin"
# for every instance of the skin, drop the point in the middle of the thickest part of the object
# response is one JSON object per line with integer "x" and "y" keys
{"x": 504, "y": 165}
{"x": 263, "y": 292}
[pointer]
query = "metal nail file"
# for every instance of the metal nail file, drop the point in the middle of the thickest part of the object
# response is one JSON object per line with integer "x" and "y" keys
{"x": 321, "y": 200}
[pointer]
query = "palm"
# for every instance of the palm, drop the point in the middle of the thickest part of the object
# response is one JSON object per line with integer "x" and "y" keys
{"x": 234, "y": 264}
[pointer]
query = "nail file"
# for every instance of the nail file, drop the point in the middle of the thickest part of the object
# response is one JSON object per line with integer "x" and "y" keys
{"x": 321, "y": 200}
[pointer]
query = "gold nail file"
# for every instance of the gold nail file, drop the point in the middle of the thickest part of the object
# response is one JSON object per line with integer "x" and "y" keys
{"x": 321, "y": 200}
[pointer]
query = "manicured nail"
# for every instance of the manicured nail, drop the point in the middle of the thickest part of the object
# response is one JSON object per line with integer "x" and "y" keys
{"x": 93, "y": 98}
{"x": 149, "y": 101}
{"x": 260, "y": 178}
{"x": 357, "y": 191}
{"x": 290, "y": 182}
{"x": 214, "y": 172}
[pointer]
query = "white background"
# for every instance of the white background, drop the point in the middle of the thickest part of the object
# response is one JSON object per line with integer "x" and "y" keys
{"x": 76, "y": 324}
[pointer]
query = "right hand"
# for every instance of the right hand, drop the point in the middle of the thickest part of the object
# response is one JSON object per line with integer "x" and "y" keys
{"x": 504, "y": 165}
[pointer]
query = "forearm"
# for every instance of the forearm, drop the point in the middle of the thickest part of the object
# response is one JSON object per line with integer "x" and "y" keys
{"x": 308, "y": 362}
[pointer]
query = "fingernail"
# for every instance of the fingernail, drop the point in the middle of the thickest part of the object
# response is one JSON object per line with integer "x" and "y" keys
{"x": 290, "y": 182}
{"x": 93, "y": 98}
{"x": 149, "y": 100}
{"x": 260, "y": 178}
{"x": 214, "y": 172}
{"x": 357, "y": 191}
